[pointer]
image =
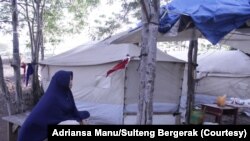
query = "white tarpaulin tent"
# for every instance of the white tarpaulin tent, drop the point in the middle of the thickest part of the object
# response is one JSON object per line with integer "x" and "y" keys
{"x": 223, "y": 73}
{"x": 134, "y": 36}
{"x": 239, "y": 39}
{"x": 113, "y": 99}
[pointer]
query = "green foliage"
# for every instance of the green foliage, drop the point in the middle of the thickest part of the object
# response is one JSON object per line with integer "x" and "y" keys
{"x": 5, "y": 16}
{"x": 203, "y": 46}
{"x": 107, "y": 25}
{"x": 75, "y": 12}
{"x": 60, "y": 17}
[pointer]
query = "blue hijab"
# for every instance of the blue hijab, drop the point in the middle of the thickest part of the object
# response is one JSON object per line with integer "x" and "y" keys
{"x": 55, "y": 106}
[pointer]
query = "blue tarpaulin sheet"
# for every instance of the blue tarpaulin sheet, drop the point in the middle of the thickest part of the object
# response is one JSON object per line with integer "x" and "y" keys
{"x": 213, "y": 18}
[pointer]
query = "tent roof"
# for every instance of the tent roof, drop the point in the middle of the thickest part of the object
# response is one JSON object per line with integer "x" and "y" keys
{"x": 231, "y": 62}
{"x": 216, "y": 20}
{"x": 134, "y": 36}
{"x": 101, "y": 52}
{"x": 213, "y": 18}
{"x": 239, "y": 39}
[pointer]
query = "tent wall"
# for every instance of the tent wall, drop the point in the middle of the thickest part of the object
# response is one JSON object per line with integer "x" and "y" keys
{"x": 157, "y": 119}
{"x": 167, "y": 90}
{"x": 102, "y": 96}
{"x": 231, "y": 86}
{"x": 222, "y": 73}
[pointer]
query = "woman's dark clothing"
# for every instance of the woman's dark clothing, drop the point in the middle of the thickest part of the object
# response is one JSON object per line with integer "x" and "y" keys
{"x": 55, "y": 106}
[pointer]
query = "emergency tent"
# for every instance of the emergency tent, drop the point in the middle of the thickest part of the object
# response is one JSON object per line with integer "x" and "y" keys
{"x": 223, "y": 73}
{"x": 113, "y": 99}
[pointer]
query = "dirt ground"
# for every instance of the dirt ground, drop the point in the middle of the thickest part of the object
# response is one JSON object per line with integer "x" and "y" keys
{"x": 8, "y": 73}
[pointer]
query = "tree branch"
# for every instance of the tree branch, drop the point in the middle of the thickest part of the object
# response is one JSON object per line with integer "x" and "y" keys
{"x": 5, "y": 1}
{"x": 155, "y": 5}
{"x": 5, "y": 21}
{"x": 126, "y": 12}
{"x": 144, "y": 8}
{"x": 24, "y": 4}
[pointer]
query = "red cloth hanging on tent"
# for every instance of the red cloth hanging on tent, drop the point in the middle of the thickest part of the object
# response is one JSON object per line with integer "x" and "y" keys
{"x": 120, "y": 65}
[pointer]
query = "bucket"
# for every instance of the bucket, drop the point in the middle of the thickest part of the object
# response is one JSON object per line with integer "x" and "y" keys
{"x": 196, "y": 117}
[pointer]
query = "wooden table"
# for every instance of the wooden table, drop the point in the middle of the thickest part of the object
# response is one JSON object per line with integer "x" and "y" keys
{"x": 14, "y": 122}
{"x": 219, "y": 111}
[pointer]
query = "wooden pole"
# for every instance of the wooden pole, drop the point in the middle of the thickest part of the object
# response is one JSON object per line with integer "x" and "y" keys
{"x": 192, "y": 55}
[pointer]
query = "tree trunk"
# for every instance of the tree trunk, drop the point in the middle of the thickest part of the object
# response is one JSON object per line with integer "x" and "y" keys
{"x": 36, "y": 89}
{"x": 4, "y": 89}
{"x": 192, "y": 55}
{"x": 150, "y": 18}
{"x": 36, "y": 39}
{"x": 16, "y": 58}
{"x": 42, "y": 47}
{"x": 41, "y": 31}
